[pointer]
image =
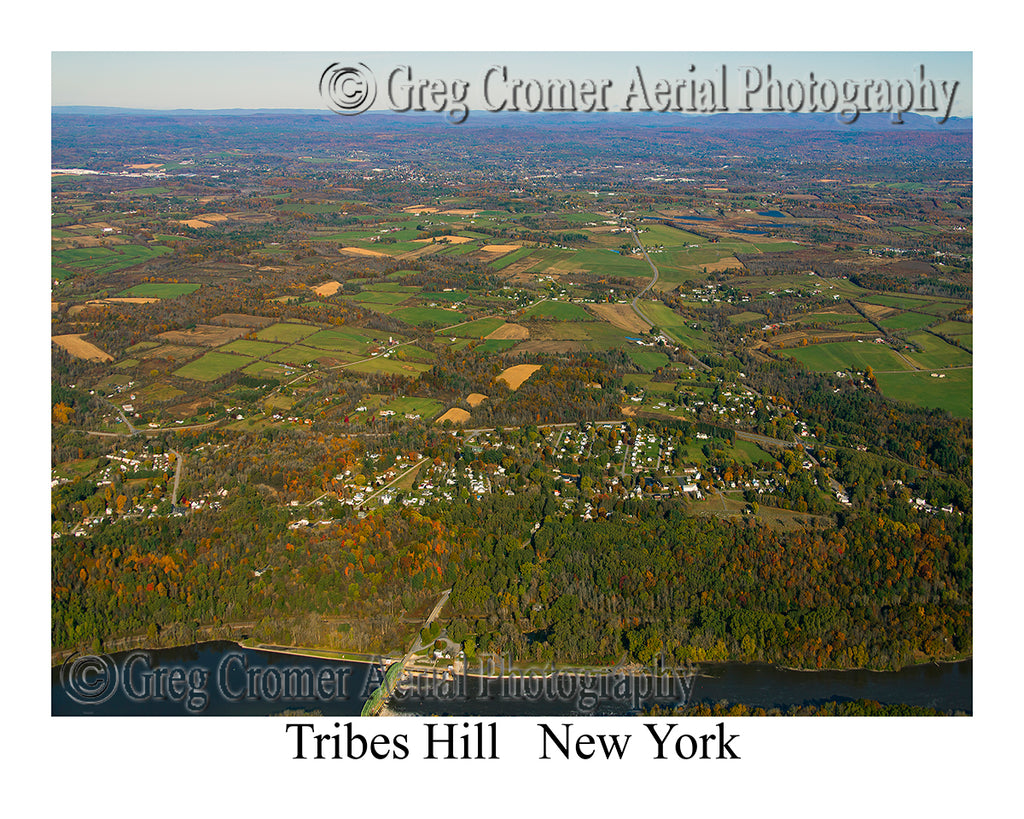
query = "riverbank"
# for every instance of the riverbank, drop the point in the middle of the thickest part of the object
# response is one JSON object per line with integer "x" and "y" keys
{"x": 322, "y": 653}
{"x": 528, "y": 691}
{"x": 140, "y": 642}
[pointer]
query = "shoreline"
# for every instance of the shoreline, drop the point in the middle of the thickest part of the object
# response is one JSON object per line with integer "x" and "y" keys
{"x": 521, "y": 671}
{"x": 60, "y": 656}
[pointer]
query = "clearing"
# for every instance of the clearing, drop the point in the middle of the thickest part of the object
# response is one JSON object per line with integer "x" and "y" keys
{"x": 456, "y": 415}
{"x": 515, "y": 376}
{"x": 204, "y": 335}
{"x": 361, "y": 251}
{"x": 510, "y": 331}
{"x": 620, "y": 315}
{"x": 447, "y": 238}
{"x": 80, "y": 348}
{"x": 327, "y": 288}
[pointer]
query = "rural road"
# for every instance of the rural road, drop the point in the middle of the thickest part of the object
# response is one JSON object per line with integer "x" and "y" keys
{"x": 654, "y": 279}
{"x": 131, "y": 430}
{"x": 764, "y": 439}
{"x": 178, "y": 461}
{"x": 394, "y": 481}
{"x": 650, "y": 284}
{"x": 416, "y": 645}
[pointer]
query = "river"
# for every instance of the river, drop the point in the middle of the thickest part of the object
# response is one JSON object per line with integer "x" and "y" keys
{"x": 222, "y": 679}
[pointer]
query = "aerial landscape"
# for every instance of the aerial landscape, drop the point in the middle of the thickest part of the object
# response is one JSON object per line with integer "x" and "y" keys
{"x": 603, "y": 392}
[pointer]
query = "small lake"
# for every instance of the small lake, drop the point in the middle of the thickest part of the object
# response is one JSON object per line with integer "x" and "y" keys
{"x": 222, "y": 679}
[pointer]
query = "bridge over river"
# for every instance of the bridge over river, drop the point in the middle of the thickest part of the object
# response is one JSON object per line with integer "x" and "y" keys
{"x": 378, "y": 699}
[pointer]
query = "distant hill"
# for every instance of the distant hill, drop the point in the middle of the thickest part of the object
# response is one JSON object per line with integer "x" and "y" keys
{"x": 744, "y": 121}
{"x": 104, "y": 110}
{"x": 821, "y": 122}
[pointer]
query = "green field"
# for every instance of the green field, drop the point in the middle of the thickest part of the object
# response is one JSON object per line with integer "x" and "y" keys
{"x": 455, "y": 250}
{"x": 410, "y": 352}
{"x": 428, "y": 315}
{"x": 392, "y": 287}
{"x": 286, "y": 332}
{"x": 158, "y": 392}
{"x": 298, "y": 355}
{"x": 936, "y": 353}
{"x": 952, "y": 393}
{"x": 306, "y": 207}
{"x": 142, "y": 345}
{"x": 559, "y": 310}
{"x": 494, "y": 345}
{"x": 753, "y": 452}
{"x": 743, "y": 452}
{"x": 951, "y": 328}
{"x": 160, "y": 290}
{"x": 605, "y": 263}
{"x": 827, "y": 318}
{"x": 907, "y": 321}
{"x": 100, "y": 260}
{"x": 851, "y": 327}
{"x": 746, "y": 316}
{"x": 378, "y": 297}
{"x": 675, "y": 325}
{"x": 212, "y": 366}
{"x": 259, "y": 349}
{"x": 838, "y": 356}
{"x": 942, "y": 308}
{"x": 451, "y": 295}
{"x": 152, "y": 191}
{"x": 650, "y": 386}
{"x": 349, "y": 340}
{"x": 903, "y": 302}
{"x": 264, "y": 370}
{"x": 664, "y": 235}
{"x": 476, "y": 329}
{"x": 426, "y": 408}
{"x": 389, "y": 366}
{"x": 508, "y": 258}
{"x": 646, "y": 359}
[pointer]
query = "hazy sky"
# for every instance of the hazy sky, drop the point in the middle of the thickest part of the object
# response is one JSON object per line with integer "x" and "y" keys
{"x": 163, "y": 80}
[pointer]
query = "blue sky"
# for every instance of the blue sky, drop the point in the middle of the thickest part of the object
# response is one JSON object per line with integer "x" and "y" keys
{"x": 240, "y": 79}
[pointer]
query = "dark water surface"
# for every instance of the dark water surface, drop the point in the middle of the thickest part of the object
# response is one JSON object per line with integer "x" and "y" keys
{"x": 222, "y": 679}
